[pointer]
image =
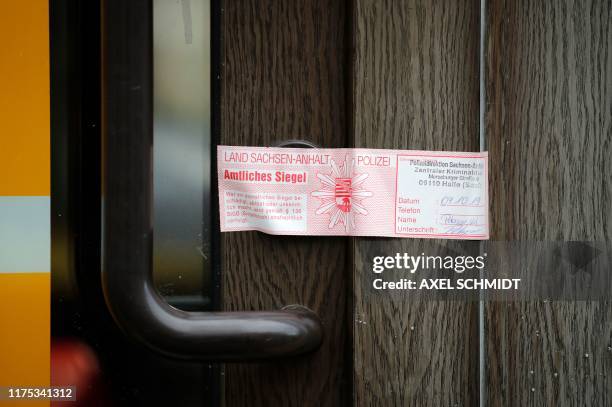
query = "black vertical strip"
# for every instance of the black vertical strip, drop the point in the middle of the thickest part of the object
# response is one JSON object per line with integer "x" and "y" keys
{"x": 75, "y": 156}
{"x": 61, "y": 16}
{"x": 214, "y": 371}
{"x": 87, "y": 166}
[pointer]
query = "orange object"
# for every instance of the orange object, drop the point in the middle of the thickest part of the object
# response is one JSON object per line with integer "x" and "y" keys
{"x": 24, "y": 101}
{"x": 25, "y": 330}
{"x": 24, "y": 170}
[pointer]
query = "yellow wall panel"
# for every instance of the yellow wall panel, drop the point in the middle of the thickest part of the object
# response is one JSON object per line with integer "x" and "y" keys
{"x": 24, "y": 98}
{"x": 24, "y": 171}
{"x": 24, "y": 330}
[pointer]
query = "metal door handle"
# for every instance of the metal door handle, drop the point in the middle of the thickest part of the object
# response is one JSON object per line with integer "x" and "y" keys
{"x": 130, "y": 295}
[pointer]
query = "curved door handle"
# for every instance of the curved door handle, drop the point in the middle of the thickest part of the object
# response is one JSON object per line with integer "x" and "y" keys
{"x": 127, "y": 244}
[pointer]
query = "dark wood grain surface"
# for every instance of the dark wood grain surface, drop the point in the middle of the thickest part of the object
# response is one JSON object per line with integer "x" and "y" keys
{"x": 283, "y": 78}
{"x": 549, "y": 132}
{"x": 415, "y": 86}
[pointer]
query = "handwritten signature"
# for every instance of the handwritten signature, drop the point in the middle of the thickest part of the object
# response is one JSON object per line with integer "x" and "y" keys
{"x": 464, "y": 230}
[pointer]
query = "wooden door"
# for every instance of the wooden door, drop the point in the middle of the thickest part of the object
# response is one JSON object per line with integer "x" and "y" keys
{"x": 415, "y": 86}
{"x": 283, "y": 78}
{"x": 407, "y": 75}
{"x": 549, "y": 134}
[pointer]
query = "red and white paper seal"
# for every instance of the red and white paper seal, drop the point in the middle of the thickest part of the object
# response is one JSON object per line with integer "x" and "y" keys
{"x": 353, "y": 192}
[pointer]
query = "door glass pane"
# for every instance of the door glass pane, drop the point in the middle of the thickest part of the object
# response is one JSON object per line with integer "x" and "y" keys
{"x": 182, "y": 143}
